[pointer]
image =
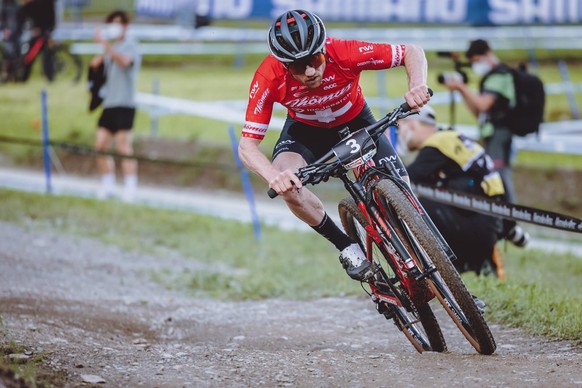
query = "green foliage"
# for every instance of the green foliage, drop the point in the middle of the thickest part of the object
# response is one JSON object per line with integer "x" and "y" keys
{"x": 542, "y": 293}
{"x": 549, "y": 161}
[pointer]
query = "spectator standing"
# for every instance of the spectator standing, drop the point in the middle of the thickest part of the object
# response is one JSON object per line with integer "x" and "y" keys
{"x": 491, "y": 105}
{"x": 122, "y": 63}
{"x": 449, "y": 159}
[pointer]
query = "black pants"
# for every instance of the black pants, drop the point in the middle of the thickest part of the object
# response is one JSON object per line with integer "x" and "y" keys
{"x": 472, "y": 236}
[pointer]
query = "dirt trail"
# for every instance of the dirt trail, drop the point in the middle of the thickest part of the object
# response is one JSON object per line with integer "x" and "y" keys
{"x": 93, "y": 310}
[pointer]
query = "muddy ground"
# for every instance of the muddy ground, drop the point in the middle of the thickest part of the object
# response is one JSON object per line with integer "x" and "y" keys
{"x": 94, "y": 314}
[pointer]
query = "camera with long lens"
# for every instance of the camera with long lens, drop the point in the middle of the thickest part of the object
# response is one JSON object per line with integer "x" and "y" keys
{"x": 458, "y": 74}
{"x": 450, "y": 76}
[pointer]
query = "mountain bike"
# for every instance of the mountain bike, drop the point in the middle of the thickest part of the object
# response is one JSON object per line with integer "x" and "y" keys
{"x": 412, "y": 262}
{"x": 57, "y": 61}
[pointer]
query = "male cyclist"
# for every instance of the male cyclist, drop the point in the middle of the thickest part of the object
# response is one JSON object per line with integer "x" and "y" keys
{"x": 316, "y": 78}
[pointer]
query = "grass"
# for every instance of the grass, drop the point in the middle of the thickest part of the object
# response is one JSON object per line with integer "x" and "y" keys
{"x": 254, "y": 270}
{"x": 293, "y": 265}
{"x": 31, "y": 371}
{"x": 206, "y": 78}
{"x": 542, "y": 294}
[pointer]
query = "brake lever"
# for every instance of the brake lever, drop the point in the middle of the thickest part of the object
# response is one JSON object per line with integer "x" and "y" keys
{"x": 404, "y": 115}
{"x": 303, "y": 174}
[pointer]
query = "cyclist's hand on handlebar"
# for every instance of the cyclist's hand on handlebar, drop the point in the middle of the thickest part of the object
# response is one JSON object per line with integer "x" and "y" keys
{"x": 286, "y": 180}
{"x": 417, "y": 97}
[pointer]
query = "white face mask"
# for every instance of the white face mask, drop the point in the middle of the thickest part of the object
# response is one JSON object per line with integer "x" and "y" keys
{"x": 481, "y": 67}
{"x": 112, "y": 31}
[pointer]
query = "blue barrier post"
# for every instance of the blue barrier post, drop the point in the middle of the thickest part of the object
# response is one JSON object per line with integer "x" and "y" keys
{"x": 569, "y": 89}
{"x": 393, "y": 136}
{"x": 246, "y": 182}
{"x": 45, "y": 141}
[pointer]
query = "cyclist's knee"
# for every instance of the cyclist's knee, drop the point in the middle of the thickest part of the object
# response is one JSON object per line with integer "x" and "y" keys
{"x": 302, "y": 199}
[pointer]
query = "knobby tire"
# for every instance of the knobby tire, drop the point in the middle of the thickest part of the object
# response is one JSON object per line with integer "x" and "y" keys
{"x": 66, "y": 64}
{"x": 430, "y": 336}
{"x": 446, "y": 280}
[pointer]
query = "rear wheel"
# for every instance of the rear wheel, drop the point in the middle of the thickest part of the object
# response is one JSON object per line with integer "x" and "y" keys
{"x": 418, "y": 323}
{"x": 446, "y": 282}
{"x": 63, "y": 65}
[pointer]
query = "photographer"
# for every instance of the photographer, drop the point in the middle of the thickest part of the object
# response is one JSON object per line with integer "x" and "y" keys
{"x": 448, "y": 159}
{"x": 491, "y": 106}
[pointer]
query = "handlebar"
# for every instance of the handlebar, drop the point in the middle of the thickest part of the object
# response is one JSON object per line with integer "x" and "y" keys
{"x": 321, "y": 170}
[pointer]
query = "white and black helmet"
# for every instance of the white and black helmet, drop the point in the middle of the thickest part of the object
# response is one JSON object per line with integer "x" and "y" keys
{"x": 296, "y": 34}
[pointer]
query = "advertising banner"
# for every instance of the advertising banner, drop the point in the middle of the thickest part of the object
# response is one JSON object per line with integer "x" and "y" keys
{"x": 467, "y": 12}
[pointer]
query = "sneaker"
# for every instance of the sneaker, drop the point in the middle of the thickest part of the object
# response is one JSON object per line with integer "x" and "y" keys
{"x": 355, "y": 263}
{"x": 480, "y": 304}
{"x": 517, "y": 236}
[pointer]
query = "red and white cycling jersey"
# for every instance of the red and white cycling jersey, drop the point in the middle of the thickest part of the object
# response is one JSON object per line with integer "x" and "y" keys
{"x": 336, "y": 101}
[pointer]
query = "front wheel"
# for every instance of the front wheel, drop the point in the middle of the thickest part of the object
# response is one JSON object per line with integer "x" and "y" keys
{"x": 418, "y": 323}
{"x": 445, "y": 282}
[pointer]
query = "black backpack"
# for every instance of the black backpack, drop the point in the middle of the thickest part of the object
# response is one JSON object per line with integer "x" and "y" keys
{"x": 530, "y": 100}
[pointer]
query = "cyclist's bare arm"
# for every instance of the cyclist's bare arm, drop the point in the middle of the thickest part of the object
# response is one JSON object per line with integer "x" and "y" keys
{"x": 257, "y": 162}
{"x": 416, "y": 69}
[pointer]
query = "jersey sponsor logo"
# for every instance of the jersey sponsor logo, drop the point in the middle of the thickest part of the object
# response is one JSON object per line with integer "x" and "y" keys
{"x": 371, "y": 62}
{"x": 261, "y": 102}
{"x": 328, "y": 79}
{"x": 286, "y": 142}
{"x": 318, "y": 100}
{"x": 326, "y": 115}
{"x": 397, "y": 55}
{"x": 254, "y": 90}
{"x": 330, "y": 86}
{"x": 254, "y": 130}
{"x": 366, "y": 49}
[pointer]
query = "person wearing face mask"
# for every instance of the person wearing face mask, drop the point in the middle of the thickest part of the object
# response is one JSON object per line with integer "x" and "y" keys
{"x": 491, "y": 105}
{"x": 449, "y": 159}
{"x": 121, "y": 61}
{"x": 316, "y": 78}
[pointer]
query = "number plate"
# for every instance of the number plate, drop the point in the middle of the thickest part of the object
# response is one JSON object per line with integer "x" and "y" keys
{"x": 355, "y": 150}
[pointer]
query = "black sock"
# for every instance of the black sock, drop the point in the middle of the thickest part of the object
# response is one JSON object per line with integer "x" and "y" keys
{"x": 328, "y": 229}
